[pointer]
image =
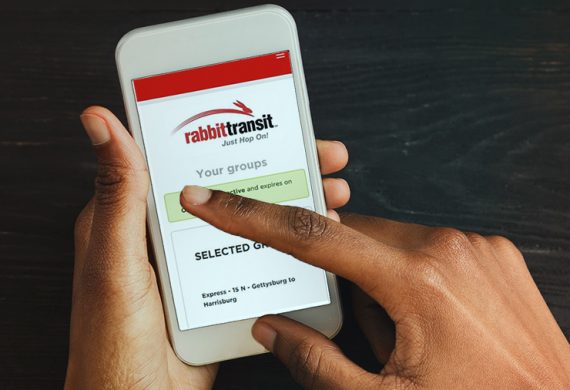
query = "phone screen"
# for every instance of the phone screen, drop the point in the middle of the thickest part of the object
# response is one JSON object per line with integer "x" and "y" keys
{"x": 232, "y": 126}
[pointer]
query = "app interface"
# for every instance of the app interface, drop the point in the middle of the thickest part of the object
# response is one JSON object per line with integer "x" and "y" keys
{"x": 235, "y": 127}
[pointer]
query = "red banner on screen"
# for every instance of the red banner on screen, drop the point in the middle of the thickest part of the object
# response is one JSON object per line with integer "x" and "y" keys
{"x": 212, "y": 76}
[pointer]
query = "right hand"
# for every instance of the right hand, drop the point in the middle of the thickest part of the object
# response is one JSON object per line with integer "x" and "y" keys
{"x": 466, "y": 310}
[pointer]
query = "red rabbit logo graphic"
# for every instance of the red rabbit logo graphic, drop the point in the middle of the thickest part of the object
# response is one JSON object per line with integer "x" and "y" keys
{"x": 244, "y": 110}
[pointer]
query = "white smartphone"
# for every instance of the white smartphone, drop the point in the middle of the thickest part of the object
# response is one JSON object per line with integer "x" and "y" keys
{"x": 220, "y": 101}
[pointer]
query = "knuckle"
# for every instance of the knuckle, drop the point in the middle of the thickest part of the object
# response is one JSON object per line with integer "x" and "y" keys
{"x": 110, "y": 182}
{"x": 238, "y": 206}
{"x": 504, "y": 245}
{"x": 501, "y": 242}
{"x": 304, "y": 225}
{"x": 476, "y": 239}
{"x": 116, "y": 180}
{"x": 453, "y": 238}
{"x": 307, "y": 364}
{"x": 452, "y": 242}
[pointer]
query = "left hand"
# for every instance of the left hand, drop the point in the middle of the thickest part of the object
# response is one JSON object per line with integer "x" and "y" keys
{"x": 118, "y": 337}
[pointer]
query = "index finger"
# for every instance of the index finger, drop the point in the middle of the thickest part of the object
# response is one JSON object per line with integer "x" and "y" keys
{"x": 306, "y": 235}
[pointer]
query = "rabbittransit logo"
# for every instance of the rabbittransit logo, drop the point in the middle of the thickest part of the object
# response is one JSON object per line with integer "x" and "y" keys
{"x": 224, "y": 129}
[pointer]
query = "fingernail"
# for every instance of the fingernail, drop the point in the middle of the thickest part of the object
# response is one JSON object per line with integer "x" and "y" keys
{"x": 333, "y": 215}
{"x": 96, "y": 129}
{"x": 196, "y": 195}
{"x": 264, "y": 335}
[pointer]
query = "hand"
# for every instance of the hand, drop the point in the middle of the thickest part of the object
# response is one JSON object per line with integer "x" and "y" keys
{"x": 467, "y": 313}
{"x": 118, "y": 337}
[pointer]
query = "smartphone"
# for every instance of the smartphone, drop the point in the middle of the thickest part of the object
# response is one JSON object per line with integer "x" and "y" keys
{"x": 220, "y": 101}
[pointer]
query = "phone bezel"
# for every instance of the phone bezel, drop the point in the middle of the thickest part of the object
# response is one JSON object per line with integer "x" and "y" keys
{"x": 156, "y": 49}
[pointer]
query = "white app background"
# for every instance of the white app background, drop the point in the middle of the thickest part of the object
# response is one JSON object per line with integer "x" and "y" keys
{"x": 173, "y": 163}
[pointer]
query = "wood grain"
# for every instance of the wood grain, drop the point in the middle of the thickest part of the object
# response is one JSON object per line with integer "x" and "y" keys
{"x": 455, "y": 113}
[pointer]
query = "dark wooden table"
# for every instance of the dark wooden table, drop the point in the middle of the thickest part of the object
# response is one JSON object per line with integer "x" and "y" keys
{"x": 454, "y": 113}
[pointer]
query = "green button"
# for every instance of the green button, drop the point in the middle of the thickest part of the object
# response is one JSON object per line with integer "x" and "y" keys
{"x": 277, "y": 188}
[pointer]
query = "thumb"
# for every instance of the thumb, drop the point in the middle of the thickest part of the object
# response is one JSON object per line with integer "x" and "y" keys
{"x": 117, "y": 239}
{"x": 314, "y": 361}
